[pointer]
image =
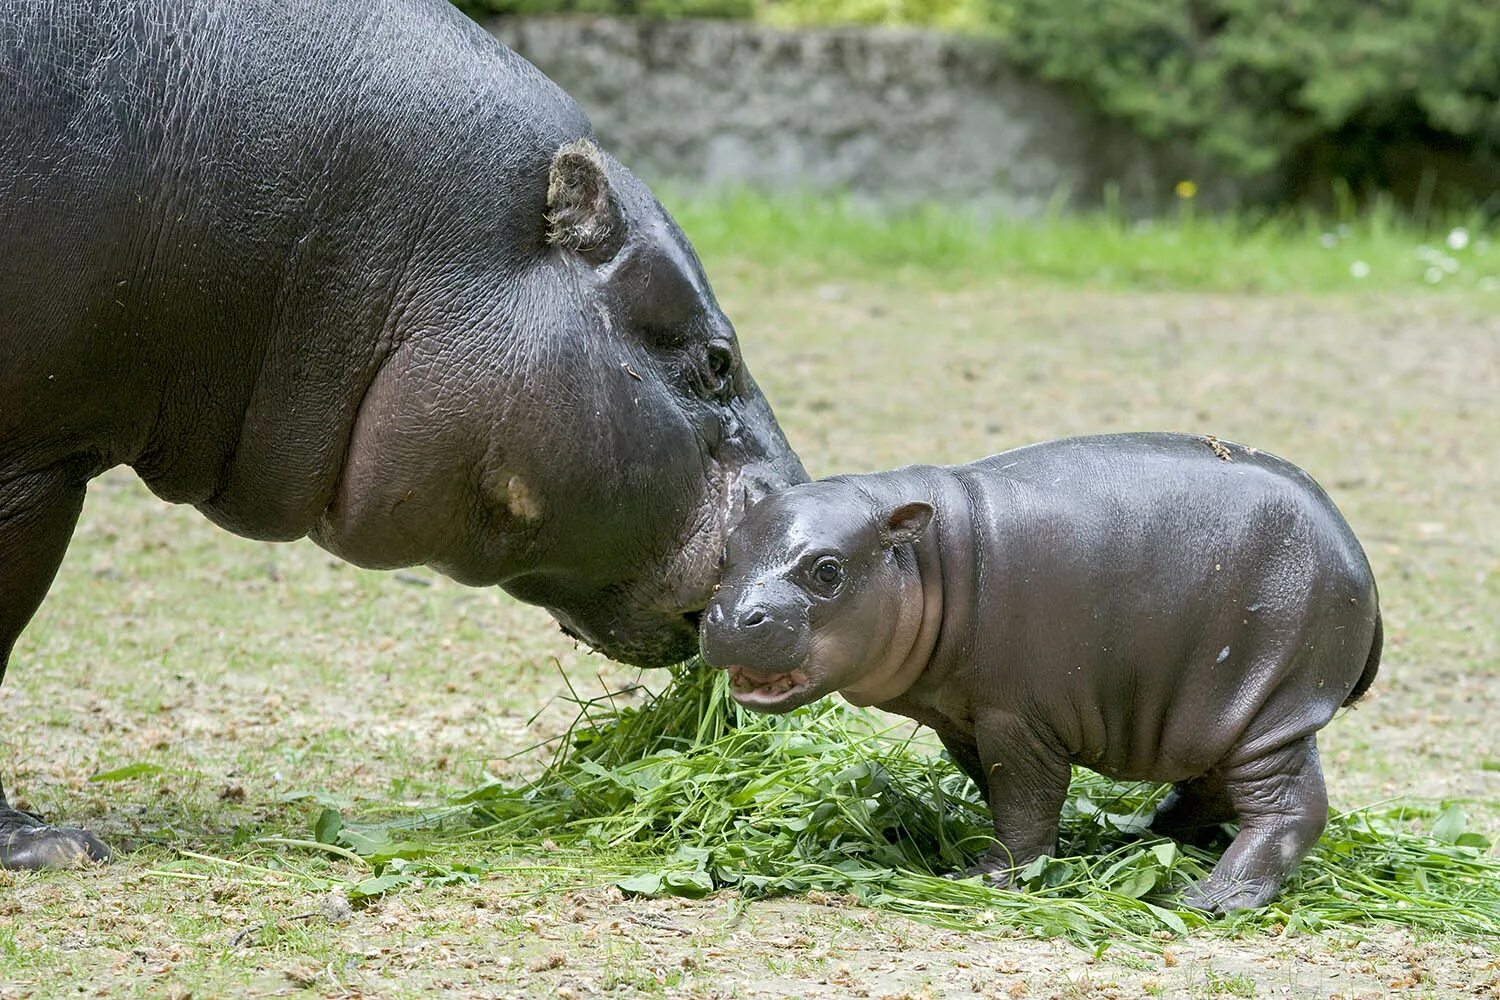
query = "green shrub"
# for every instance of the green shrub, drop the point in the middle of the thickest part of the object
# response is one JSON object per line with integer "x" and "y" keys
{"x": 969, "y": 16}
{"x": 1300, "y": 98}
{"x": 1384, "y": 94}
{"x": 951, "y": 15}
{"x": 618, "y": 8}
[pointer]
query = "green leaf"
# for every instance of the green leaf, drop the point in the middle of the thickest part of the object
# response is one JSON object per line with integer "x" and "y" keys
{"x": 692, "y": 885}
{"x": 852, "y": 774}
{"x": 1136, "y": 882}
{"x": 648, "y": 884}
{"x": 326, "y": 829}
{"x": 1168, "y": 917}
{"x": 378, "y": 885}
{"x": 377, "y": 846}
{"x": 1450, "y": 825}
{"x": 138, "y": 770}
{"x": 1048, "y": 872}
{"x": 1166, "y": 853}
{"x": 1033, "y": 869}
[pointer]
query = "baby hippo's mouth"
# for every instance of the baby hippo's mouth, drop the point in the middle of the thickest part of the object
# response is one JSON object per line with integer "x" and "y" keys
{"x": 770, "y": 692}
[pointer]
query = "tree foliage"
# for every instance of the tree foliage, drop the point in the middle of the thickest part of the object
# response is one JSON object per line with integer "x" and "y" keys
{"x": 1397, "y": 96}
{"x": 1302, "y": 90}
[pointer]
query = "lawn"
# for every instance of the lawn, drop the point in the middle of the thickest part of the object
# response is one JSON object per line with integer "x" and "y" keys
{"x": 234, "y": 692}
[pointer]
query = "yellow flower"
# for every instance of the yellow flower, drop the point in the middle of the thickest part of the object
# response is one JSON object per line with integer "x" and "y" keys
{"x": 1186, "y": 190}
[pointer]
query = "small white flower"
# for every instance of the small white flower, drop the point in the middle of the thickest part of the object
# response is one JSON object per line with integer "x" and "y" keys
{"x": 1458, "y": 238}
{"x": 1359, "y": 269}
{"x": 1449, "y": 264}
{"x": 1434, "y": 275}
{"x": 1488, "y": 284}
{"x": 1426, "y": 253}
{"x": 1329, "y": 241}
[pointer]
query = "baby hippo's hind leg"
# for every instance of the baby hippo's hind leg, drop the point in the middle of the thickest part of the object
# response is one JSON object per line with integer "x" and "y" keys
{"x": 1282, "y": 807}
{"x": 1194, "y": 810}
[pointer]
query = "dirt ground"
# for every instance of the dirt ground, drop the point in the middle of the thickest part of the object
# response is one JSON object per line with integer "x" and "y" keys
{"x": 250, "y": 675}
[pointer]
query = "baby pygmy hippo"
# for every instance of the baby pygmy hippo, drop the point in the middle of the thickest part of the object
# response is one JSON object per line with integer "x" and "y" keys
{"x": 1152, "y": 606}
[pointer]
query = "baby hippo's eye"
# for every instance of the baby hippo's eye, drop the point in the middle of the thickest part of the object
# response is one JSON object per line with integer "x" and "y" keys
{"x": 827, "y": 572}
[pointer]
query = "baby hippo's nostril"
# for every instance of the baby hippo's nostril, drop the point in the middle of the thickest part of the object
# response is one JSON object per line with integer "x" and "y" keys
{"x": 753, "y": 618}
{"x": 716, "y": 614}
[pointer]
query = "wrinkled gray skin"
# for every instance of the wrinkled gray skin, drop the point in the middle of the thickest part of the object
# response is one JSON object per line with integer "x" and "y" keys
{"x": 1151, "y": 606}
{"x": 354, "y": 271}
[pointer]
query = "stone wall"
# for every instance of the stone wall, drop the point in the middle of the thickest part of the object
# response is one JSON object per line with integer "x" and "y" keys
{"x": 894, "y": 114}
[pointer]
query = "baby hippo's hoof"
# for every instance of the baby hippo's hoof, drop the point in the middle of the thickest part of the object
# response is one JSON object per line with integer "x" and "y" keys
{"x": 1220, "y": 896}
{"x": 994, "y": 872}
{"x": 29, "y": 844}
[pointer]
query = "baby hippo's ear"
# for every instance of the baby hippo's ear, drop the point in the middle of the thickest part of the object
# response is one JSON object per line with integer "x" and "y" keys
{"x": 905, "y": 524}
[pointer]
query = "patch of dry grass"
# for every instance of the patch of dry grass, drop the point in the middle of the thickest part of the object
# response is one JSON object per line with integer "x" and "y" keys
{"x": 251, "y": 672}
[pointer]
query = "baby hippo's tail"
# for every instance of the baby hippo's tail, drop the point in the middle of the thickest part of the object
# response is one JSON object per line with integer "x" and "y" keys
{"x": 1372, "y": 665}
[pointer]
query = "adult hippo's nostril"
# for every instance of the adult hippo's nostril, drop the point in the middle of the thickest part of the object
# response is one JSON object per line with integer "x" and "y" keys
{"x": 752, "y": 618}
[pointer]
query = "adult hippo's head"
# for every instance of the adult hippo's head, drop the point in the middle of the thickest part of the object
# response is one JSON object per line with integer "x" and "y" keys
{"x": 679, "y": 438}
{"x": 584, "y": 439}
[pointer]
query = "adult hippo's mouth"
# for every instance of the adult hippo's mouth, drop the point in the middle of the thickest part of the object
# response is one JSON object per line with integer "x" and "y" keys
{"x": 658, "y": 639}
{"x": 655, "y": 623}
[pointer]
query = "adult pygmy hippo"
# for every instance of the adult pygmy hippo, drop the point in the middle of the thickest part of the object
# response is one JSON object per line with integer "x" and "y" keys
{"x": 352, "y": 270}
{"x": 1151, "y": 606}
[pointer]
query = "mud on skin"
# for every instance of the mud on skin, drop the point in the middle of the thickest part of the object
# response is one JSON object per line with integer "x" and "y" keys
{"x": 1151, "y": 606}
{"x": 356, "y": 272}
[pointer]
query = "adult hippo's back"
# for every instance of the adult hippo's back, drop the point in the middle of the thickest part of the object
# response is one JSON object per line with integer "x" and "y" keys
{"x": 354, "y": 271}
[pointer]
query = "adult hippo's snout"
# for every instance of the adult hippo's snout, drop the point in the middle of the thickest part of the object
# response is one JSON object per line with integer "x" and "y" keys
{"x": 652, "y": 618}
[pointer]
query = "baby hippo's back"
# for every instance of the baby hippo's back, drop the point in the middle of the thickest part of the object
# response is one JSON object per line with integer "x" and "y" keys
{"x": 1164, "y": 604}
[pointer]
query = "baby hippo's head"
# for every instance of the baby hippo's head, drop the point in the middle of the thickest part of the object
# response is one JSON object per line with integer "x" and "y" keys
{"x": 820, "y": 586}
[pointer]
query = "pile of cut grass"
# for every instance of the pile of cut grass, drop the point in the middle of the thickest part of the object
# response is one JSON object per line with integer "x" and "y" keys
{"x": 688, "y": 794}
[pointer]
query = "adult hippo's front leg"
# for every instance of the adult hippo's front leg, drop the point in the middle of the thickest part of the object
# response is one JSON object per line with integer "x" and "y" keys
{"x": 28, "y": 842}
{"x": 37, "y": 515}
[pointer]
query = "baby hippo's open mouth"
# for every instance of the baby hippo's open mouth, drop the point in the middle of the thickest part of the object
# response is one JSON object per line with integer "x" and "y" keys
{"x": 769, "y": 692}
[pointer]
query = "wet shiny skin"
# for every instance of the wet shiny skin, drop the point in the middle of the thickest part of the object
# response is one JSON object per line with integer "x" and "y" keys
{"x": 380, "y": 290}
{"x": 1151, "y": 606}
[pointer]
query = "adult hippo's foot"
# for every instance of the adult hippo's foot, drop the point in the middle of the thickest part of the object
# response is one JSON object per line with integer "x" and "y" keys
{"x": 30, "y": 844}
{"x": 37, "y": 514}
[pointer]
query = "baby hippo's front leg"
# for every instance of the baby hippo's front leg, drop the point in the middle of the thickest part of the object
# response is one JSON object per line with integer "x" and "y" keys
{"x": 1028, "y": 783}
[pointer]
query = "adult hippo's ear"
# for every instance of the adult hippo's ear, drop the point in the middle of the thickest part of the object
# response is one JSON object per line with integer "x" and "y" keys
{"x": 581, "y": 214}
{"x": 905, "y": 524}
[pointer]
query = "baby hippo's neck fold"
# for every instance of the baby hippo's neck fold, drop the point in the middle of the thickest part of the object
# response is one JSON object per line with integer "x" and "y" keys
{"x": 911, "y": 648}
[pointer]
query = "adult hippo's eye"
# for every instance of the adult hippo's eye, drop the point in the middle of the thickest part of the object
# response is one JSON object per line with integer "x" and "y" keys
{"x": 827, "y": 572}
{"x": 723, "y": 362}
